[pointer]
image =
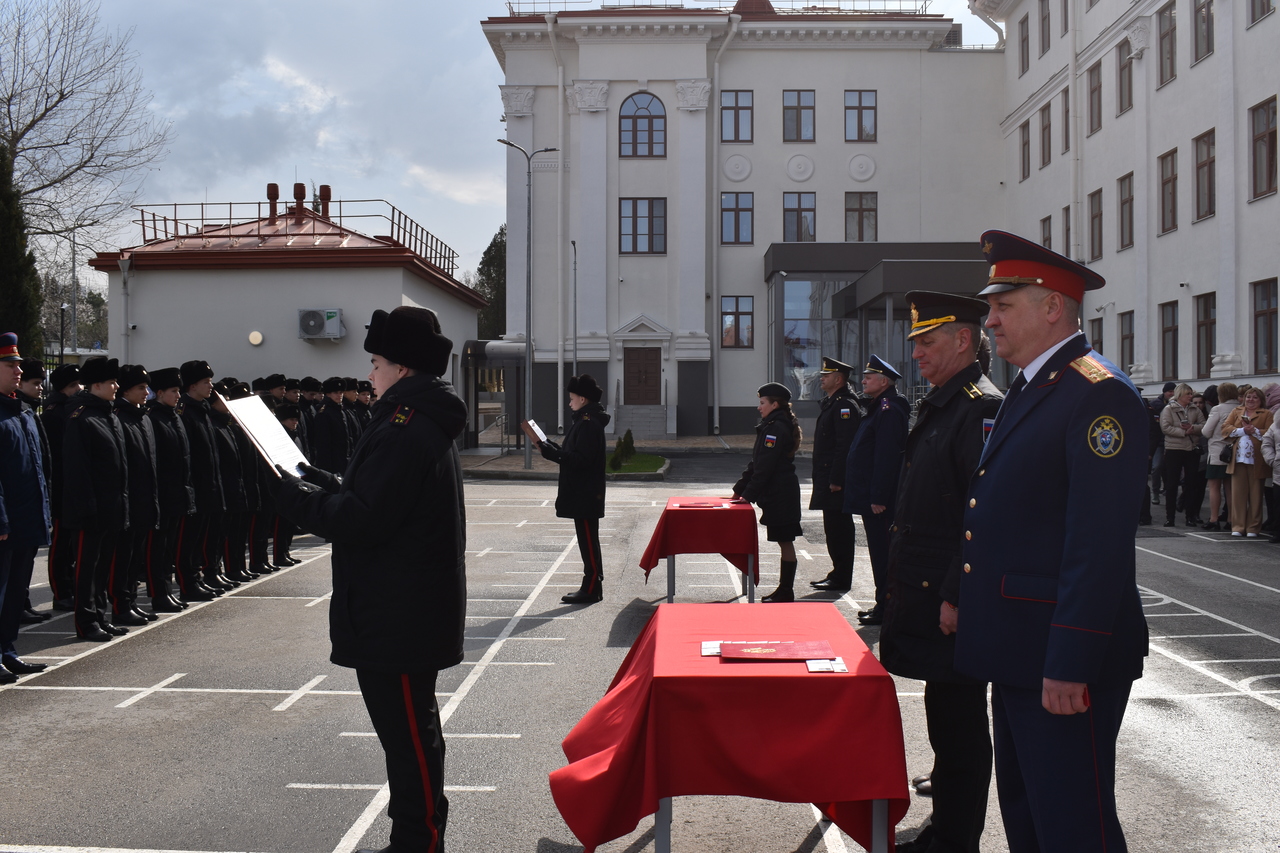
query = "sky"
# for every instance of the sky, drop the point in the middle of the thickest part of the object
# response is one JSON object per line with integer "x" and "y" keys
{"x": 387, "y": 99}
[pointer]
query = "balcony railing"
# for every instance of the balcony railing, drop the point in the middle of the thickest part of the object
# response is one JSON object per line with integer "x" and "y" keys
{"x": 518, "y": 8}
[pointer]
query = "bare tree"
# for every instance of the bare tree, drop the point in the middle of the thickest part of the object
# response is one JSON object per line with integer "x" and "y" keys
{"x": 74, "y": 114}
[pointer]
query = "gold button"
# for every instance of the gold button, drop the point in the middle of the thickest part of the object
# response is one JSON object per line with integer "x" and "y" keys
{"x": 924, "y": 584}
{"x": 894, "y": 528}
{"x": 973, "y": 502}
{"x": 967, "y": 568}
{"x": 981, "y": 471}
{"x": 968, "y": 534}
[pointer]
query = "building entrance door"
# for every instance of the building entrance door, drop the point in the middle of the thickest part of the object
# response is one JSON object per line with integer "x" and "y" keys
{"x": 642, "y": 376}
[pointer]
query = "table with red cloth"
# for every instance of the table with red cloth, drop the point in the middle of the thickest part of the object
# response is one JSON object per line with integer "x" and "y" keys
{"x": 703, "y": 525}
{"x": 670, "y": 725}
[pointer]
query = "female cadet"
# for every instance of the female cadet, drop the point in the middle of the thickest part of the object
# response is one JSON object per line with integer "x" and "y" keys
{"x": 580, "y": 495}
{"x": 770, "y": 481}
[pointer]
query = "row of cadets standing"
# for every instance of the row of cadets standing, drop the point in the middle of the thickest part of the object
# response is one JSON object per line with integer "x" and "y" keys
{"x": 333, "y": 439}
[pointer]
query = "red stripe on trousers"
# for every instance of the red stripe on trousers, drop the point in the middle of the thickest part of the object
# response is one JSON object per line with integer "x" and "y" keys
{"x": 422, "y": 763}
{"x": 1097, "y": 783}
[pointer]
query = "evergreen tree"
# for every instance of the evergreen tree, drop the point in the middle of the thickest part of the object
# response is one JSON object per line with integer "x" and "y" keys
{"x": 491, "y": 282}
{"x": 19, "y": 281}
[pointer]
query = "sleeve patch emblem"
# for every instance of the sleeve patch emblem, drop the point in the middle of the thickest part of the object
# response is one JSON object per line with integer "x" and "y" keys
{"x": 844, "y": 414}
{"x": 1105, "y": 437}
{"x": 770, "y": 440}
{"x": 988, "y": 424}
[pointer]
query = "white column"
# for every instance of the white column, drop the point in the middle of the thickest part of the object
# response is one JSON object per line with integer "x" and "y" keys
{"x": 1146, "y": 322}
{"x": 689, "y": 236}
{"x": 518, "y": 104}
{"x": 1228, "y": 360}
{"x": 593, "y": 199}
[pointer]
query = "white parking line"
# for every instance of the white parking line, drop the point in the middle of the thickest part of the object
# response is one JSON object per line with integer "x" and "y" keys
{"x": 145, "y": 693}
{"x": 299, "y": 693}
{"x": 1207, "y": 569}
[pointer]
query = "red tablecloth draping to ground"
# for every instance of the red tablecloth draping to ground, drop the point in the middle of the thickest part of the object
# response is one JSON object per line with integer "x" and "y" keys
{"x": 702, "y": 525}
{"x": 674, "y": 723}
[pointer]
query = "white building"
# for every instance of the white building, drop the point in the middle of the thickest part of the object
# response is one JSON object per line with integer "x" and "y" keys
{"x": 255, "y": 290}
{"x": 1140, "y": 138}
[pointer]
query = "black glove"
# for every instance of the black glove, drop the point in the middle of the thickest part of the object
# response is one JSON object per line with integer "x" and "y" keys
{"x": 550, "y": 450}
{"x": 290, "y": 480}
{"x": 326, "y": 480}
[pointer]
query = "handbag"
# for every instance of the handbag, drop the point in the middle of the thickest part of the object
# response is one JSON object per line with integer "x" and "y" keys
{"x": 1228, "y": 452}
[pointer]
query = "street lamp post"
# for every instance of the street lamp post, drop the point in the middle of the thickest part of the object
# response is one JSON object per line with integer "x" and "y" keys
{"x": 528, "y": 288}
{"x": 62, "y": 334}
{"x": 574, "y": 244}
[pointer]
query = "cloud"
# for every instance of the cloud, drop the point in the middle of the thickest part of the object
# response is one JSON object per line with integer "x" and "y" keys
{"x": 465, "y": 188}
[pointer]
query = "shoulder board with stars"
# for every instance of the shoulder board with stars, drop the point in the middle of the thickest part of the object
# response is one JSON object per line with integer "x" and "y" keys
{"x": 884, "y": 405}
{"x": 401, "y": 416}
{"x": 78, "y": 410}
{"x": 1092, "y": 369}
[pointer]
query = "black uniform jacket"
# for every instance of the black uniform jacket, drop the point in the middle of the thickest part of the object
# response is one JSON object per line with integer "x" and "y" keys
{"x": 398, "y": 527}
{"x": 331, "y": 440}
{"x": 54, "y": 419}
{"x": 197, "y": 417}
{"x": 838, "y": 417}
{"x": 95, "y": 480}
{"x": 1050, "y": 589}
{"x": 770, "y": 481}
{"x": 875, "y": 457}
{"x": 224, "y": 436}
{"x": 140, "y": 449}
{"x": 928, "y": 529}
{"x": 173, "y": 461}
{"x": 581, "y": 460}
{"x": 24, "y": 493}
{"x": 251, "y": 468}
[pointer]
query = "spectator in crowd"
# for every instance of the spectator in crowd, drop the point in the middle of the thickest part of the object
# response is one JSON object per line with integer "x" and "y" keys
{"x": 1247, "y": 469}
{"x": 1215, "y": 468}
{"x": 1179, "y": 422}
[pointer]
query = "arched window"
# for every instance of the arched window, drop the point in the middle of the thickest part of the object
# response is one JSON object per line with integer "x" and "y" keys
{"x": 643, "y": 127}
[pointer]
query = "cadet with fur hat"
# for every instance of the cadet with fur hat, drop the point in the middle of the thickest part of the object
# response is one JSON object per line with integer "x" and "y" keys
{"x": 144, "y": 499}
{"x": 331, "y": 438}
{"x": 194, "y": 531}
{"x": 64, "y": 382}
{"x": 177, "y": 495}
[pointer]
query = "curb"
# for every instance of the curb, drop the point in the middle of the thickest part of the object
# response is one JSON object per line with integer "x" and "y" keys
{"x": 521, "y": 474}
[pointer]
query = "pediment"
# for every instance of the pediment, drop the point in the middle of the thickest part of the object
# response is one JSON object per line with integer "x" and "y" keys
{"x": 643, "y": 326}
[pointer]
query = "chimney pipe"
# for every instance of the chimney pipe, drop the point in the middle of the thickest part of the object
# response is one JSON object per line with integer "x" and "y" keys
{"x": 273, "y": 195}
{"x": 326, "y": 193}
{"x": 299, "y": 199}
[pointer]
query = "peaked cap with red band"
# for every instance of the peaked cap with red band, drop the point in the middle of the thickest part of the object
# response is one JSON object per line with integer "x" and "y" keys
{"x": 1016, "y": 262}
{"x": 9, "y": 347}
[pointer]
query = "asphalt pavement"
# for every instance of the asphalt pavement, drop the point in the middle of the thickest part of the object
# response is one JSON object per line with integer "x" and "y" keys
{"x": 225, "y": 728}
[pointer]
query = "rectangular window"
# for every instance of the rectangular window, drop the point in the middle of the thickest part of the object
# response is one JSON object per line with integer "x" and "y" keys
{"x": 860, "y": 211}
{"x": 737, "y": 322}
{"x": 1264, "y": 326}
{"x": 1046, "y": 233}
{"x": 1124, "y": 77}
{"x": 1126, "y": 341}
{"x": 1206, "y": 190}
{"x": 1095, "y": 334}
{"x": 1095, "y": 97}
{"x": 797, "y": 115}
{"x": 736, "y": 118}
{"x": 1169, "y": 191}
{"x": 1046, "y": 134}
{"x": 859, "y": 115}
{"x": 1259, "y": 9}
{"x": 1262, "y": 159}
{"x": 1062, "y": 13}
{"x": 1066, "y": 120}
{"x": 1202, "y": 18}
{"x": 1024, "y": 45}
{"x": 736, "y": 218}
{"x": 1024, "y": 150}
{"x": 1124, "y": 191}
{"x": 1167, "y": 26}
{"x": 1095, "y": 225}
{"x": 799, "y": 218}
{"x": 1045, "y": 27}
{"x": 1169, "y": 341}
{"x": 1066, "y": 231}
{"x": 642, "y": 226}
{"x": 1206, "y": 333}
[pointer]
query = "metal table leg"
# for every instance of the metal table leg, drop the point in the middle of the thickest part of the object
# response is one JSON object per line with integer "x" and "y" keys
{"x": 751, "y": 583}
{"x": 671, "y": 579}
{"x": 662, "y": 826}
{"x": 879, "y": 826}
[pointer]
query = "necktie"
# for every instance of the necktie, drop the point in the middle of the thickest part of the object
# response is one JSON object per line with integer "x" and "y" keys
{"x": 1014, "y": 390}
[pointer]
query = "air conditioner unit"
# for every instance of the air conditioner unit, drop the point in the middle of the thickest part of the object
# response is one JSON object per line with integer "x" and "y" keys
{"x": 320, "y": 323}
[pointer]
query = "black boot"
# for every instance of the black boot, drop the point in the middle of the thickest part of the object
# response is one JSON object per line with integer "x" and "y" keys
{"x": 785, "y": 591}
{"x": 591, "y": 591}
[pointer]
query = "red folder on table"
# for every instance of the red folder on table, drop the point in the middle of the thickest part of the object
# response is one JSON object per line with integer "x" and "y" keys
{"x": 808, "y": 650}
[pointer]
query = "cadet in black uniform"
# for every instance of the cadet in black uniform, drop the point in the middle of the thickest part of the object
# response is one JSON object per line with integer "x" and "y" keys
{"x": 240, "y": 477}
{"x": 918, "y": 637}
{"x": 838, "y": 420}
{"x": 173, "y": 485}
{"x": 770, "y": 481}
{"x": 95, "y": 493}
{"x": 65, "y": 382}
{"x": 580, "y": 495}
{"x": 197, "y": 382}
{"x": 332, "y": 437}
{"x": 144, "y": 505}
{"x": 311, "y": 394}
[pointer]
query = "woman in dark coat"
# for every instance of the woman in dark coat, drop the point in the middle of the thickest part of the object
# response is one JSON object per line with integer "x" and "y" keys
{"x": 581, "y": 488}
{"x": 770, "y": 481}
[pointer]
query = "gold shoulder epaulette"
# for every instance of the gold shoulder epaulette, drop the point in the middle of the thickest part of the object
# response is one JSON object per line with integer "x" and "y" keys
{"x": 973, "y": 391}
{"x": 1092, "y": 369}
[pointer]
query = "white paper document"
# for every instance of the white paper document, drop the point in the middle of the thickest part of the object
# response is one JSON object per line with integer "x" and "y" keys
{"x": 267, "y": 434}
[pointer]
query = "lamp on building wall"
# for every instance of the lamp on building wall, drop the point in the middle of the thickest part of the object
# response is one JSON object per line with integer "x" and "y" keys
{"x": 528, "y": 288}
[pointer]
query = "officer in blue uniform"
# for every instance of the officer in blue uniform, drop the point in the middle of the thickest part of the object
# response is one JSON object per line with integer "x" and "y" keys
{"x": 871, "y": 474}
{"x": 838, "y": 418}
{"x": 1049, "y": 611}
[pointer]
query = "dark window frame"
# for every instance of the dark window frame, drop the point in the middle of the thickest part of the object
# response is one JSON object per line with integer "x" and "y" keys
{"x": 1205, "y": 148}
{"x": 1124, "y": 77}
{"x": 734, "y": 112}
{"x": 1095, "y": 225}
{"x": 1046, "y": 27}
{"x": 1168, "y": 313}
{"x": 1124, "y": 323}
{"x": 654, "y": 220}
{"x": 653, "y": 125}
{"x": 1024, "y": 44}
{"x": 1262, "y": 149}
{"x": 1206, "y": 333}
{"x": 793, "y": 115}
{"x": 1094, "y": 78}
{"x": 862, "y": 215}
{"x": 1064, "y": 13}
{"x": 1167, "y": 45}
{"x": 793, "y": 217}
{"x": 1046, "y": 232}
{"x": 1066, "y": 120}
{"x": 1259, "y": 9}
{"x": 1095, "y": 334}
{"x": 1124, "y": 195}
{"x": 1046, "y": 135}
{"x": 1264, "y": 325}
{"x": 1066, "y": 231}
{"x": 861, "y": 110}
{"x": 737, "y": 311}
{"x": 1024, "y": 150}
{"x": 1168, "y": 168}
{"x": 1201, "y": 29}
{"x": 733, "y": 218}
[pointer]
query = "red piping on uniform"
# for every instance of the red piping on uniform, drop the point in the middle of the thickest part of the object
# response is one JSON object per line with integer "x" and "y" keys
{"x": 1097, "y": 783}
{"x": 1074, "y": 628}
{"x": 422, "y": 763}
{"x": 1003, "y": 594}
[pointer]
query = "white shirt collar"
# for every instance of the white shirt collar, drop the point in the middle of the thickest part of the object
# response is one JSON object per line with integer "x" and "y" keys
{"x": 1038, "y": 362}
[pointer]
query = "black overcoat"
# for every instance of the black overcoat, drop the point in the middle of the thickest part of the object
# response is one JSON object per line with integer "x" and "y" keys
{"x": 838, "y": 417}
{"x": 875, "y": 457}
{"x": 229, "y": 466}
{"x": 581, "y": 459}
{"x": 95, "y": 479}
{"x": 331, "y": 439}
{"x": 54, "y": 420}
{"x": 197, "y": 417}
{"x": 173, "y": 461}
{"x": 928, "y": 530}
{"x": 140, "y": 451}
{"x": 770, "y": 481}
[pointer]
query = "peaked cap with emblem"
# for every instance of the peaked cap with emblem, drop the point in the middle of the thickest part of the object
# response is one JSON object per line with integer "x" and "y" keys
{"x": 99, "y": 369}
{"x": 9, "y": 347}
{"x": 409, "y": 336}
{"x": 830, "y": 365}
{"x": 929, "y": 310}
{"x": 776, "y": 390}
{"x": 879, "y": 366}
{"x": 165, "y": 378}
{"x": 1016, "y": 262}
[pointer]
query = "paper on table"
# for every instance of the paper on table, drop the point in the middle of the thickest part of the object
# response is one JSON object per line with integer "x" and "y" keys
{"x": 267, "y": 434}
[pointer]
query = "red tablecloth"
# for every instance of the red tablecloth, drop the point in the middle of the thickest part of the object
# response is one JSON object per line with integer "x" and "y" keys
{"x": 702, "y": 525}
{"x": 673, "y": 723}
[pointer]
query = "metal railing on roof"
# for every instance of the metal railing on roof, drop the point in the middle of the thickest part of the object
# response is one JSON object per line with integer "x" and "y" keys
{"x": 235, "y": 221}
{"x": 518, "y": 8}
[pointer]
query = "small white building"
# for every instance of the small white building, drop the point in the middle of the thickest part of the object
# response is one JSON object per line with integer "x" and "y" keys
{"x": 255, "y": 290}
